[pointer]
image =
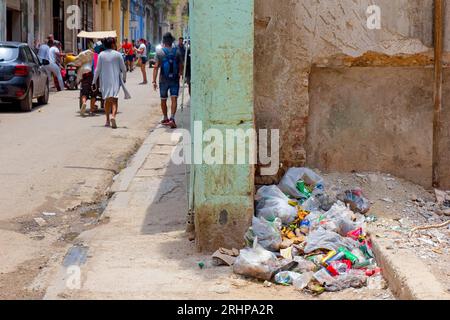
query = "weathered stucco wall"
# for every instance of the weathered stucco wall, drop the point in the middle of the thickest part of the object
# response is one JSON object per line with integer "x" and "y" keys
{"x": 293, "y": 35}
{"x": 378, "y": 118}
{"x": 445, "y": 138}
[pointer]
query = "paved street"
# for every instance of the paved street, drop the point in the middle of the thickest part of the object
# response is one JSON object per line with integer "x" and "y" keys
{"x": 53, "y": 160}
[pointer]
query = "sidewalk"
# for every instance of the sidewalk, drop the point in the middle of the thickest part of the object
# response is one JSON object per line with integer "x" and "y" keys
{"x": 142, "y": 250}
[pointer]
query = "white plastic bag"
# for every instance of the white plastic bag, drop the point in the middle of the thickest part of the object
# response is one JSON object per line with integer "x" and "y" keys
{"x": 340, "y": 219}
{"x": 257, "y": 263}
{"x": 272, "y": 203}
{"x": 293, "y": 175}
{"x": 268, "y": 233}
{"x": 326, "y": 239}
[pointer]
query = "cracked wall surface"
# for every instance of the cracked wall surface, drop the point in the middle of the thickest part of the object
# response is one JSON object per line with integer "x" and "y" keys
{"x": 291, "y": 36}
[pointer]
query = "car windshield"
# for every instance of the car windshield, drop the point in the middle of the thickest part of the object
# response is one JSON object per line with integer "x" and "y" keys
{"x": 8, "y": 53}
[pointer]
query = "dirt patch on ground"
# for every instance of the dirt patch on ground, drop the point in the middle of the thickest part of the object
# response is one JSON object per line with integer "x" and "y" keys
{"x": 16, "y": 285}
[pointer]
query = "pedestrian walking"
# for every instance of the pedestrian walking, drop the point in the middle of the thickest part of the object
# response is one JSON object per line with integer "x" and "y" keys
{"x": 112, "y": 73}
{"x": 142, "y": 55}
{"x": 88, "y": 70}
{"x": 181, "y": 47}
{"x": 129, "y": 53}
{"x": 53, "y": 67}
{"x": 169, "y": 65}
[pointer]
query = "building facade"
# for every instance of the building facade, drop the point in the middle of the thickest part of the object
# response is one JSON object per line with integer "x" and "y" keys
{"x": 137, "y": 19}
{"x": 112, "y": 15}
{"x": 33, "y": 20}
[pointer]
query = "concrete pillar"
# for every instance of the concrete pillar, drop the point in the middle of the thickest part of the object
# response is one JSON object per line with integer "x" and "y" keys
{"x": 30, "y": 22}
{"x": 222, "y": 34}
{"x": 2, "y": 20}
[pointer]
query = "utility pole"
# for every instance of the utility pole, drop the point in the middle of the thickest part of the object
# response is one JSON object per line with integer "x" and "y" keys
{"x": 437, "y": 121}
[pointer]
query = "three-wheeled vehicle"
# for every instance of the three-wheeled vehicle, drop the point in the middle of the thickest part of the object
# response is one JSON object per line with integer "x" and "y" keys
{"x": 95, "y": 36}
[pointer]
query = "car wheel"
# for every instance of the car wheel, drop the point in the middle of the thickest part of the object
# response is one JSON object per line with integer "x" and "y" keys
{"x": 26, "y": 104}
{"x": 44, "y": 98}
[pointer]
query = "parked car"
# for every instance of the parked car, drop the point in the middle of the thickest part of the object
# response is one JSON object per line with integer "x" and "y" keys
{"x": 22, "y": 75}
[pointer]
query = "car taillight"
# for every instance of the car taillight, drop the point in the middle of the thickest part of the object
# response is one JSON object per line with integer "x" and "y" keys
{"x": 21, "y": 70}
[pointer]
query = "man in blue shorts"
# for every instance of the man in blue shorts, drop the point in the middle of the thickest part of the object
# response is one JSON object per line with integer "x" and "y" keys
{"x": 169, "y": 64}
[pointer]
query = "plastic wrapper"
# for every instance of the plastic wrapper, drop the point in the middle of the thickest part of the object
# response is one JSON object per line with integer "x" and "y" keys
{"x": 325, "y": 239}
{"x": 286, "y": 277}
{"x": 351, "y": 279}
{"x": 288, "y": 183}
{"x": 272, "y": 203}
{"x": 356, "y": 200}
{"x": 257, "y": 263}
{"x": 268, "y": 233}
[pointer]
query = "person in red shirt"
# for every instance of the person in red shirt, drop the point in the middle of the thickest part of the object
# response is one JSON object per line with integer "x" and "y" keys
{"x": 129, "y": 54}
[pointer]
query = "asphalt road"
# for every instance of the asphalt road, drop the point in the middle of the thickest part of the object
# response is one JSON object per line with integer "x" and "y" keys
{"x": 51, "y": 159}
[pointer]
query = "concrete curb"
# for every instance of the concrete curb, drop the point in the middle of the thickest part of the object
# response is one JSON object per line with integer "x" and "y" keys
{"x": 408, "y": 277}
{"x": 124, "y": 178}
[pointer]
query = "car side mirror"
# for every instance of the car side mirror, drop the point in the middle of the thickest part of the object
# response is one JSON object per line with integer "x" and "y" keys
{"x": 45, "y": 62}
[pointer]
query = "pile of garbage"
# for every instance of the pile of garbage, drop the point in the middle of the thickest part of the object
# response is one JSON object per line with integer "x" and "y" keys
{"x": 301, "y": 236}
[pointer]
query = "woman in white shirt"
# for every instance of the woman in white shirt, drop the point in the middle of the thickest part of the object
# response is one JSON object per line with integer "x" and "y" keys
{"x": 142, "y": 55}
{"x": 112, "y": 73}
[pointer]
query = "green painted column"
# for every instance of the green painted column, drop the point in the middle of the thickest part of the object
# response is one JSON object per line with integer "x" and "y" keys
{"x": 222, "y": 36}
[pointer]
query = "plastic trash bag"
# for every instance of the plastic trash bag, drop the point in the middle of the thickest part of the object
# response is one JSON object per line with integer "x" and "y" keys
{"x": 268, "y": 233}
{"x": 256, "y": 262}
{"x": 355, "y": 199}
{"x": 352, "y": 279}
{"x": 326, "y": 239}
{"x": 340, "y": 219}
{"x": 288, "y": 183}
{"x": 318, "y": 201}
{"x": 272, "y": 203}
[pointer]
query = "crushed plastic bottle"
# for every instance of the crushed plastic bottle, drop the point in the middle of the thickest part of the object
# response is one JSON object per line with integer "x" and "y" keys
{"x": 286, "y": 278}
{"x": 302, "y": 282}
{"x": 323, "y": 277}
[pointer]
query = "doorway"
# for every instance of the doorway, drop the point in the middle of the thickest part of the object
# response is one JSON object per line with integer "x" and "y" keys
{"x": 58, "y": 20}
{"x": 13, "y": 23}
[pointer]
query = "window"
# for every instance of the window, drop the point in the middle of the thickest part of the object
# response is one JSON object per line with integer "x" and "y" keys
{"x": 8, "y": 53}
{"x": 28, "y": 55}
{"x": 35, "y": 58}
